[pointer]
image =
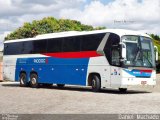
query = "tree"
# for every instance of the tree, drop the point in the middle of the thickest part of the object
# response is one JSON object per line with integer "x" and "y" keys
{"x": 155, "y": 37}
{"x": 48, "y": 25}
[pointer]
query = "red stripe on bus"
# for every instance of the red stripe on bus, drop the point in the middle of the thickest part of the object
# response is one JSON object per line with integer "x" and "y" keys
{"x": 84, "y": 54}
{"x": 148, "y": 71}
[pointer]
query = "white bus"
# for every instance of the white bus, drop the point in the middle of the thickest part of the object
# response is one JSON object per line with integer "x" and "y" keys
{"x": 110, "y": 58}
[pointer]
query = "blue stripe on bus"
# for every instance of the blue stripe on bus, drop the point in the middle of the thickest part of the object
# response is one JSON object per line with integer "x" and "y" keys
{"x": 55, "y": 70}
{"x": 138, "y": 73}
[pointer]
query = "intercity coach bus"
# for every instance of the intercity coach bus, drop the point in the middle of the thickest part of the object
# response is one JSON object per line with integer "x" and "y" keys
{"x": 110, "y": 58}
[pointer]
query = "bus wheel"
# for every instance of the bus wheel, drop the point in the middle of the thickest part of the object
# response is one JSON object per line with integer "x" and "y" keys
{"x": 34, "y": 80}
{"x": 60, "y": 85}
{"x": 123, "y": 90}
{"x": 96, "y": 84}
{"x": 23, "y": 80}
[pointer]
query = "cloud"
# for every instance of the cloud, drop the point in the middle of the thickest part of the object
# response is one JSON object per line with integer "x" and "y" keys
{"x": 141, "y": 15}
{"x": 11, "y": 8}
{"x": 42, "y": 2}
{"x": 13, "y": 13}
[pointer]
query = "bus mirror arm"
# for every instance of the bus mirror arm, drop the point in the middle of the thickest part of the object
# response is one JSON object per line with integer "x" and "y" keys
{"x": 156, "y": 52}
{"x": 123, "y": 51}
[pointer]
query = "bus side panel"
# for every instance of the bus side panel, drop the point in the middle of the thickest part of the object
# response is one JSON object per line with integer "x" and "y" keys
{"x": 55, "y": 70}
{"x": 100, "y": 66}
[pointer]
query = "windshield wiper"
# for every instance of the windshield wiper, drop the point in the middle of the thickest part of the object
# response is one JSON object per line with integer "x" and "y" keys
{"x": 148, "y": 60}
{"x": 137, "y": 56}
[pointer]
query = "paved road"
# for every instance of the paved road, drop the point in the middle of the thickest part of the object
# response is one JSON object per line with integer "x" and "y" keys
{"x": 15, "y": 99}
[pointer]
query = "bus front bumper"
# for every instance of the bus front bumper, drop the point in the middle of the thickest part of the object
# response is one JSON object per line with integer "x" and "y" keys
{"x": 137, "y": 82}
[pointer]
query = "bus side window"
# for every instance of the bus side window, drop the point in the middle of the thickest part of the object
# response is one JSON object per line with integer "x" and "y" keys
{"x": 111, "y": 49}
{"x": 115, "y": 57}
{"x": 39, "y": 46}
{"x": 27, "y": 47}
{"x": 70, "y": 44}
{"x": 91, "y": 42}
{"x": 54, "y": 45}
{"x": 14, "y": 48}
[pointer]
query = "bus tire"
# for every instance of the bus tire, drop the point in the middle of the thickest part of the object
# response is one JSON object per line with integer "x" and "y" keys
{"x": 96, "y": 83}
{"x": 34, "y": 80}
{"x": 123, "y": 90}
{"x": 60, "y": 85}
{"x": 23, "y": 80}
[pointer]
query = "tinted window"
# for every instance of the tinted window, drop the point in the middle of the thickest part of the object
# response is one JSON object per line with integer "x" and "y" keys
{"x": 115, "y": 56}
{"x": 27, "y": 47}
{"x": 91, "y": 42}
{"x": 12, "y": 48}
{"x": 54, "y": 45}
{"x": 71, "y": 44}
{"x": 111, "y": 49}
{"x": 39, "y": 46}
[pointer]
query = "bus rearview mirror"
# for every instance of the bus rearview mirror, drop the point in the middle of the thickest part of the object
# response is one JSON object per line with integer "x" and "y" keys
{"x": 124, "y": 54}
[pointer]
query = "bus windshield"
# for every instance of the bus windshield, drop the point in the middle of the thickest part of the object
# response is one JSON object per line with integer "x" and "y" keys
{"x": 140, "y": 52}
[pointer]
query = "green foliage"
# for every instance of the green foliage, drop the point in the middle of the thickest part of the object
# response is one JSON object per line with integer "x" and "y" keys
{"x": 48, "y": 25}
{"x": 100, "y": 28}
{"x": 157, "y": 43}
{"x": 155, "y": 37}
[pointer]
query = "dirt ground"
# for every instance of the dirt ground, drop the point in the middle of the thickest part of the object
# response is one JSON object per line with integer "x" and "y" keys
{"x": 77, "y": 100}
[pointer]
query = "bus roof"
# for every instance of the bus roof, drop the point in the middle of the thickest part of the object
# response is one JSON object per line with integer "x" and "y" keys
{"x": 119, "y": 32}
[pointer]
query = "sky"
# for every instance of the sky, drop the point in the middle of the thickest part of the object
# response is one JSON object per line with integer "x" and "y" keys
{"x": 141, "y": 15}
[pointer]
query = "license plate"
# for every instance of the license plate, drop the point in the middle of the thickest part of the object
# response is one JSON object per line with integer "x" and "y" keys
{"x": 143, "y": 82}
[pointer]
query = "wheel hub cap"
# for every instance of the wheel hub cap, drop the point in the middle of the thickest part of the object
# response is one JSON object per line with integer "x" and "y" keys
{"x": 33, "y": 80}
